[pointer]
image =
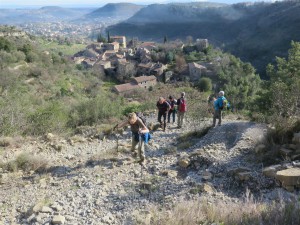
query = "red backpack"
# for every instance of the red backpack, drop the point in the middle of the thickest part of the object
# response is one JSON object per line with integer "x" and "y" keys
{"x": 182, "y": 105}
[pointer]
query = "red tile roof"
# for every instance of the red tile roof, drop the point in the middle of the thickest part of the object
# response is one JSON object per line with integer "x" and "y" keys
{"x": 144, "y": 78}
{"x": 125, "y": 87}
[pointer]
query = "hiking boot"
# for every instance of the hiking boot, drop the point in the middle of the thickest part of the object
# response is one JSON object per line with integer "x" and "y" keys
{"x": 134, "y": 154}
{"x": 142, "y": 161}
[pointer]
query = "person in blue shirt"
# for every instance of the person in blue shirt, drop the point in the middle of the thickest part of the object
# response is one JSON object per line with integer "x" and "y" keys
{"x": 218, "y": 107}
{"x": 140, "y": 135}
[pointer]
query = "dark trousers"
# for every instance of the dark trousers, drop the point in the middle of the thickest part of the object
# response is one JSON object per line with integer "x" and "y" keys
{"x": 171, "y": 112}
{"x": 164, "y": 115}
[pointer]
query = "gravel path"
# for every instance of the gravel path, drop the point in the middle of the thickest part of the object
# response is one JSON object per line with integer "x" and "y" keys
{"x": 88, "y": 182}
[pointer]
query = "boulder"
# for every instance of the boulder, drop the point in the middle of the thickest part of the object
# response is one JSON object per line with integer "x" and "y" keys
{"x": 285, "y": 152}
{"x": 296, "y": 138}
{"x": 58, "y": 219}
{"x": 207, "y": 188}
{"x": 260, "y": 148}
{"x": 289, "y": 177}
{"x": 184, "y": 162}
{"x": 271, "y": 171}
{"x": 237, "y": 170}
{"x": 243, "y": 176}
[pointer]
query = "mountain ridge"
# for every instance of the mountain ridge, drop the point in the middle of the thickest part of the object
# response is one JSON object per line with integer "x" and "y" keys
{"x": 255, "y": 32}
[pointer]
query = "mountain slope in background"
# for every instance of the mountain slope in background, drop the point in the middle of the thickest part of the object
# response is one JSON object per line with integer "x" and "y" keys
{"x": 44, "y": 14}
{"x": 254, "y": 32}
{"x": 114, "y": 10}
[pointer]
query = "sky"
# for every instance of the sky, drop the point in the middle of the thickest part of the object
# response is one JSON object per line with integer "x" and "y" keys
{"x": 88, "y": 3}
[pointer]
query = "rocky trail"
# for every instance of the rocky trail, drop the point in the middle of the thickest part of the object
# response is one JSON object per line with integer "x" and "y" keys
{"x": 89, "y": 182}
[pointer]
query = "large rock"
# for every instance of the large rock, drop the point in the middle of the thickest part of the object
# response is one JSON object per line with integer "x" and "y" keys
{"x": 58, "y": 219}
{"x": 260, "y": 148}
{"x": 285, "y": 152}
{"x": 296, "y": 138}
{"x": 184, "y": 162}
{"x": 289, "y": 177}
{"x": 271, "y": 171}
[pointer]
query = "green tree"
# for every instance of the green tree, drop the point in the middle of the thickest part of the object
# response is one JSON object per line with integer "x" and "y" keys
{"x": 165, "y": 39}
{"x": 284, "y": 88}
{"x": 108, "y": 37}
{"x": 100, "y": 38}
{"x": 204, "y": 84}
{"x": 6, "y": 45}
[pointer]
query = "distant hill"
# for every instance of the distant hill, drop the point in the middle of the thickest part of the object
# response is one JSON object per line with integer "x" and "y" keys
{"x": 255, "y": 32}
{"x": 44, "y": 14}
{"x": 114, "y": 10}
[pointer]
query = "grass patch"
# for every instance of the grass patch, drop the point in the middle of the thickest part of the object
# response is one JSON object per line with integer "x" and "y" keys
{"x": 26, "y": 162}
{"x": 247, "y": 212}
{"x": 188, "y": 139}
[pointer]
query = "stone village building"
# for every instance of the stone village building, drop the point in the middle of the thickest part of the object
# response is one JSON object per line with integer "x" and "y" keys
{"x": 137, "y": 82}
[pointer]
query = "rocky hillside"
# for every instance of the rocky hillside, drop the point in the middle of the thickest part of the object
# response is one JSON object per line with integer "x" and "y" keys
{"x": 96, "y": 181}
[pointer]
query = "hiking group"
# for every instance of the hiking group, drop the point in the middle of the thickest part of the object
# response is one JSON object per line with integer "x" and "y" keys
{"x": 167, "y": 110}
{"x": 139, "y": 130}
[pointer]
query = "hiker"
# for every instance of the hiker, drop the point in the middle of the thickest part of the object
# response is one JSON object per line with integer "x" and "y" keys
{"x": 172, "y": 110}
{"x": 181, "y": 102}
{"x": 163, "y": 107}
{"x": 140, "y": 135}
{"x": 218, "y": 106}
{"x": 211, "y": 107}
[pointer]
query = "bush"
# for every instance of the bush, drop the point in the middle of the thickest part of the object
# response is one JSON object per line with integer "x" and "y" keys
{"x": 95, "y": 110}
{"x": 51, "y": 117}
{"x": 26, "y": 162}
{"x": 204, "y": 84}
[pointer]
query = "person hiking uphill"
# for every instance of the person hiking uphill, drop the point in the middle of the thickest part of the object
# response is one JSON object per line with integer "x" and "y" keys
{"x": 140, "y": 135}
{"x": 163, "y": 107}
{"x": 219, "y": 105}
{"x": 172, "y": 110}
{"x": 181, "y": 102}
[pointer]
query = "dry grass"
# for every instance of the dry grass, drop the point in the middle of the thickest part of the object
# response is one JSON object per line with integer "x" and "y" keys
{"x": 26, "y": 162}
{"x": 247, "y": 212}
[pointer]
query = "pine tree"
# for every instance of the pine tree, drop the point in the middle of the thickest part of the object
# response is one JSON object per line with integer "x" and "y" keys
{"x": 165, "y": 39}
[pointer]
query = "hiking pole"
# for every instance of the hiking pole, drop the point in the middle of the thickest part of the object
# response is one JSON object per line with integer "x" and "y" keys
{"x": 117, "y": 136}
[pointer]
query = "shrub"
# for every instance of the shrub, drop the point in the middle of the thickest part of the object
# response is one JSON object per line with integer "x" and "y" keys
{"x": 204, "y": 84}
{"x": 95, "y": 110}
{"x": 26, "y": 162}
{"x": 51, "y": 117}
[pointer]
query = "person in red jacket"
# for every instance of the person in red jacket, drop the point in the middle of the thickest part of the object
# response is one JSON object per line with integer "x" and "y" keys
{"x": 163, "y": 107}
{"x": 181, "y": 102}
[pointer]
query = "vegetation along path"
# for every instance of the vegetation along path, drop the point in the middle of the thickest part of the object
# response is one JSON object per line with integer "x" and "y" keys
{"x": 96, "y": 181}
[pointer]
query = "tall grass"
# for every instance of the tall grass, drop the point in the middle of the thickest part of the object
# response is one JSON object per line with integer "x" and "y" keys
{"x": 247, "y": 212}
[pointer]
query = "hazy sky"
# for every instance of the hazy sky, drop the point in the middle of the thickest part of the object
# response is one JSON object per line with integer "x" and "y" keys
{"x": 21, "y": 3}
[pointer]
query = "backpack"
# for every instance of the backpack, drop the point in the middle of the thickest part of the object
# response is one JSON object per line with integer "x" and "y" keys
{"x": 182, "y": 105}
{"x": 224, "y": 104}
{"x": 142, "y": 117}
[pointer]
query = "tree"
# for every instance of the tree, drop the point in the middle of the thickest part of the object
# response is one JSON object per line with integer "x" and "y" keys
{"x": 284, "y": 91}
{"x": 100, "y": 38}
{"x": 5, "y": 45}
{"x": 204, "y": 84}
{"x": 165, "y": 39}
{"x": 180, "y": 63}
{"x": 108, "y": 37}
{"x": 169, "y": 57}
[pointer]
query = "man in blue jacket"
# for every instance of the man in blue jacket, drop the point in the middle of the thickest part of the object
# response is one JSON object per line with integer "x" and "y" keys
{"x": 219, "y": 105}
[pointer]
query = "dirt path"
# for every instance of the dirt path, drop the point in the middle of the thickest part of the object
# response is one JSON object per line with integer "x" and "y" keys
{"x": 89, "y": 183}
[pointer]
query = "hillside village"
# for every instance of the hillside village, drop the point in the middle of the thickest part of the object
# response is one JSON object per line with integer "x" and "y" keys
{"x": 132, "y": 65}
